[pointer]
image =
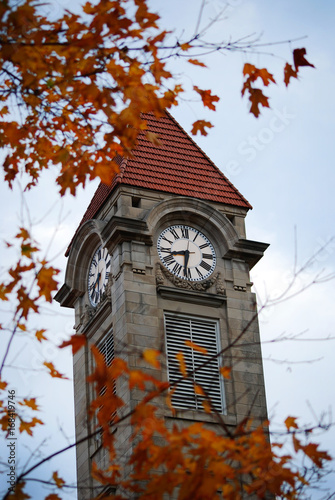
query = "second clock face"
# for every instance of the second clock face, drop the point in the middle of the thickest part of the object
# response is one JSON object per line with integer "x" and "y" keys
{"x": 186, "y": 252}
{"x": 98, "y": 275}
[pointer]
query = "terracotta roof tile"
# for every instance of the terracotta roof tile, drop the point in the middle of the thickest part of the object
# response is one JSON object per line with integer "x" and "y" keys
{"x": 176, "y": 166}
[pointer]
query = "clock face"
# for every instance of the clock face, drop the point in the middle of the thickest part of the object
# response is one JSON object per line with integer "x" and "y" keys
{"x": 98, "y": 275}
{"x": 186, "y": 252}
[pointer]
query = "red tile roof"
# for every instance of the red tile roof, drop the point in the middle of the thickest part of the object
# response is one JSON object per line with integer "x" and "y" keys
{"x": 177, "y": 165}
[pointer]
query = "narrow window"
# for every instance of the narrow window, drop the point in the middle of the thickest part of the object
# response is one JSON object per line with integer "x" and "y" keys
{"x": 205, "y": 333}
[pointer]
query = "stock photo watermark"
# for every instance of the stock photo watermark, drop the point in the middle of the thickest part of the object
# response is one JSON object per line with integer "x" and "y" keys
{"x": 12, "y": 440}
{"x": 251, "y": 146}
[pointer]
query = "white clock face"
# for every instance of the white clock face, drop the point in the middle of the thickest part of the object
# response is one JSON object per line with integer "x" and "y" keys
{"x": 98, "y": 275}
{"x": 186, "y": 252}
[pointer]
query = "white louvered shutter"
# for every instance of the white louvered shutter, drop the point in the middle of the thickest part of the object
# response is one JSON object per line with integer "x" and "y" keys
{"x": 205, "y": 333}
{"x": 106, "y": 347}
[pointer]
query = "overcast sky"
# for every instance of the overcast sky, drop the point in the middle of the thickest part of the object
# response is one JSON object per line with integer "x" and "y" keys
{"x": 283, "y": 163}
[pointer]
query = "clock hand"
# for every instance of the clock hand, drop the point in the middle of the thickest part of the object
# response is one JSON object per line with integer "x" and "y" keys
{"x": 181, "y": 252}
{"x": 186, "y": 258}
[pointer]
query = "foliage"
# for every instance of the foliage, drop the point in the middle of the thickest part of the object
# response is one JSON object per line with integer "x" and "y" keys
{"x": 72, "y": 91}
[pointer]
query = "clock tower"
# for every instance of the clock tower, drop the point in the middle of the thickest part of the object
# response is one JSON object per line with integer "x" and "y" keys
{"x": 159, "y": 258}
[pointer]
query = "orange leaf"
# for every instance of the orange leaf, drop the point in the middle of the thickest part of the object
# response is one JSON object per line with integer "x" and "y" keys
{"x": 27, "y": 426}
{"x": 289, "y": 73}
{"x": 207, "y": 98}
{"x": 196, "y": 347}
{"x": 225, "y": 371}
{"x": 53, "y": 372}
{"x": 31, "y": 403}
{"x": 39, "y": 334}
{"x": 150, "y": 356}
{"x": 76, "y": 341}
{"x": 182, "y": 364}
{"x": 207, "y": 407}
{"x": 53, "y": 496}
{"x": 199, "y": 126}
{"x": 199, "y": 390}
{"x": 58, "y": 480}
{"x": 290, "y": 422}
{"x": 3, "y": 385}
{"x": 46, "y": 283}
{"x": 197, "y": 63}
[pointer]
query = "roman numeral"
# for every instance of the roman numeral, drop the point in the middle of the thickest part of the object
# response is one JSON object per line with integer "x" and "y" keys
{"x": 99, "y": 254}
{"x": 204, "y": 245}
{"x": 188, "y": 273}
{"x": 184, "y": 232}
{"x": 94, "y": 262}
{"x": 205, "y": 265}
{"x": 207, "y": 256}
{"x": 168, "y": 259}
{"x": 165, "y": 250}
{"x": 177, "y": 268}
{"x": 108, "y": 263}
{"x": 107, "y": 275}
{"x": 199, "y": 272}
{"x": 163, "y": 238}
{"x": 174, "y": 234}
{"x": 195, "y": 237}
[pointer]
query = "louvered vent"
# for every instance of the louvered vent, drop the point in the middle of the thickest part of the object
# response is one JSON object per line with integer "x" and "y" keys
{"x": 106, "y": 347}
{"x": 204, "y": 333}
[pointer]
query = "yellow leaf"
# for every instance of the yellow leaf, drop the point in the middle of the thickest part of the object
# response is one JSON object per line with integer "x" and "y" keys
{"x": 207, "y": 407}
{"x": 199, "y": 390}
{"x": 182, "y": 364}
{"x": 151, "y": 357}
{"x": 196, "y": 347}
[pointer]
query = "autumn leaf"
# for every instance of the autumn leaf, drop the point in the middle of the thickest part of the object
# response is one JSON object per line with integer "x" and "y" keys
{"x": 290, "y": 422}
{"x": 182, "y": 364}
{"x": 197, "y": 63}
{"x": 3, "y": 385}
{"x": 52, "y": 371}
{"x": 58, "y": 480}
{"x": 207, "y": 98}
{"x": 31, "y": 403}
{"x": 19, "y": 494}
{"x": 153, "y": 138}
{"x": 289, "y": 73}
{"x": 195, "y": 347}
{"x": 76, "y": 342}
{"x": 46, "y": 282}
{"x": 151, "y": 356}
{"x": 53, "y": 496}
{"x": 27, "y": 426}
{"x": 257, "y": 98}
{"x": 39, "y": 334}
{"x": 225, "y": 372}
{"x": 200, "y": 126}
{"x": 299, "y": 58}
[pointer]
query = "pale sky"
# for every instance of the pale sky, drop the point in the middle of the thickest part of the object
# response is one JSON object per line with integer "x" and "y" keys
{"x": 283, "y": 163}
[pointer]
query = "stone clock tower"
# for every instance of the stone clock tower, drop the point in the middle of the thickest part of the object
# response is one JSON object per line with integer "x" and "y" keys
{"x": 161, "y": 257}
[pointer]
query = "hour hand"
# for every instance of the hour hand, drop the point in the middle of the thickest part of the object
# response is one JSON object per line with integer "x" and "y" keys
{"x": 179, "y": 252}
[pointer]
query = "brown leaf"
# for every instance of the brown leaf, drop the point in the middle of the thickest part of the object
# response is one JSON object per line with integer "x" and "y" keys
{"x": 199, "y": 126}
{"x": 58, "y": 480}
{"x": 289, "y": 73}
{"x": 27, "y": 426}
{"x": 299, "y": 58}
